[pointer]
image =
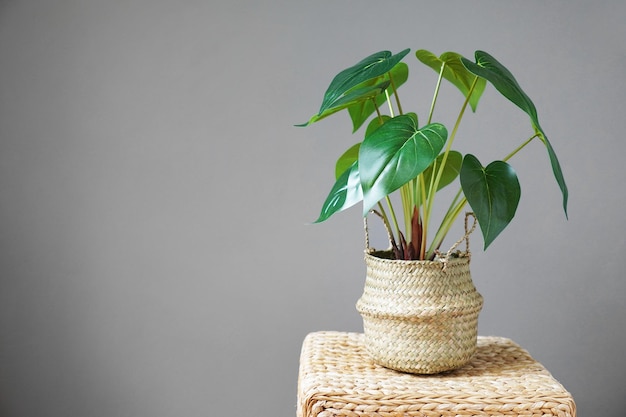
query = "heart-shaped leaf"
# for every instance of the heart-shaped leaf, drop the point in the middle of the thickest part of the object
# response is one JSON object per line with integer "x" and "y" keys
{"x": 373, "y": 66}
{"x": 492, "y": 192}
{"x": 345, "y": 193}
{"x": 395, "y": 154}
{"x": 363, "y": 109}
{"x": 455, "y": 72}
{"x": 493, "y": 71}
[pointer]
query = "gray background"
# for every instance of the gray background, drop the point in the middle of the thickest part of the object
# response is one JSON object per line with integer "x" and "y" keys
{"x": 155, "y": 252}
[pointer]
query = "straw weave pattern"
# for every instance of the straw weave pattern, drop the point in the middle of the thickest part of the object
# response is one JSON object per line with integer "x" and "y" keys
{"x": 419, "y": 316}
{"x": 337, "y": 378}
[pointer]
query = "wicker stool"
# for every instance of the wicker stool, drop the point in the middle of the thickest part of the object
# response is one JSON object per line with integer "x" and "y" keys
{"x": 337, "y": 378}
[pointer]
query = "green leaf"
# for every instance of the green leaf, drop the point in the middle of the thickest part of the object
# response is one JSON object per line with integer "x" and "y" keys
{"x": 347, "y": 159}
{"x": 492, "y": 192}
{"x": 395, "y": 154}
{"x": 454, "y": 72}
{"x": 355, "y": 96}
{"x": 493, "y": 71}
{"x": 345, "y": 193}
{"x": 362, "y": 110}
{"x": 450, "y": 171}
{"x": 375, "y": 124}
{"x": 371, "y": 67}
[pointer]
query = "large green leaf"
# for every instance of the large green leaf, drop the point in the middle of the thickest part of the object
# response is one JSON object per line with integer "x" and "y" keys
{"x": 492, "y": 192}
{"x": 363, "y": 109}
{"x": 395, "y": 153}
{"x": 371, "y": 67}
{"x": 455, "y": 72}
{"x": 355, "y": 96}
{"x": 450, "y": 171}
{"x": 345, "y": 193}
{"x": 493, "y": 71}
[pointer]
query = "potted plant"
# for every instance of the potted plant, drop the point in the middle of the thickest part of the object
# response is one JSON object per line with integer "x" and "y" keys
{"x": 419, "y": 306}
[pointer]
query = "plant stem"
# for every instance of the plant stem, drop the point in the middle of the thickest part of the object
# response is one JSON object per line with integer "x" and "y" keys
{"x": 443, "y": 230}
{"x": 406, "y": 194}
{"x": 519, "y": 148}
{"x": 395, "y": 91}
{"x": 436, "y": 94}
{"x": 389, "y": 103}
{"x": 420, "y": 184}
{"x": 455, "y": 128}
{"x": 379, "y": 115}
{"x": 449, "y": 146}
{"x": 453, "y": 212}
{"x": 425, "y": 218}
{"x": 393, "y": 214}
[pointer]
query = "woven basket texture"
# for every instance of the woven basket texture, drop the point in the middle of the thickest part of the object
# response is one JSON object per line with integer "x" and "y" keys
{"x": 337, "y": 378}
{"x": 420, "y": 316}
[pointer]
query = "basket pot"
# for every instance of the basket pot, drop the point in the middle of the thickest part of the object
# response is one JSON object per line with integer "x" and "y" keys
{"x": 419, "y": 316}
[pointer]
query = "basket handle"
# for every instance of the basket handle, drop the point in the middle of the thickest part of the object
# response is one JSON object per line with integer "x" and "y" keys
{"x": 468, "y": 232}
{"x": 368, "y": 248}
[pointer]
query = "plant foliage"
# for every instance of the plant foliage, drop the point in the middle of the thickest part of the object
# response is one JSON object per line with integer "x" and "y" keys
{"x": 397, "y": 154}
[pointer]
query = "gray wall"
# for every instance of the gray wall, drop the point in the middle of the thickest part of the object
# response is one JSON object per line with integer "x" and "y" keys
{"x": 155, "y": 256}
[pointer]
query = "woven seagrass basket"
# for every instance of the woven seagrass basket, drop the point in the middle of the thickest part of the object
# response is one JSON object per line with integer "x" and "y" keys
{"x": 420, "y": 316}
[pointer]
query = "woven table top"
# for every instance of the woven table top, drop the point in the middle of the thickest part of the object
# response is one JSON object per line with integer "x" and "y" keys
{"x": 337, "y": 378}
